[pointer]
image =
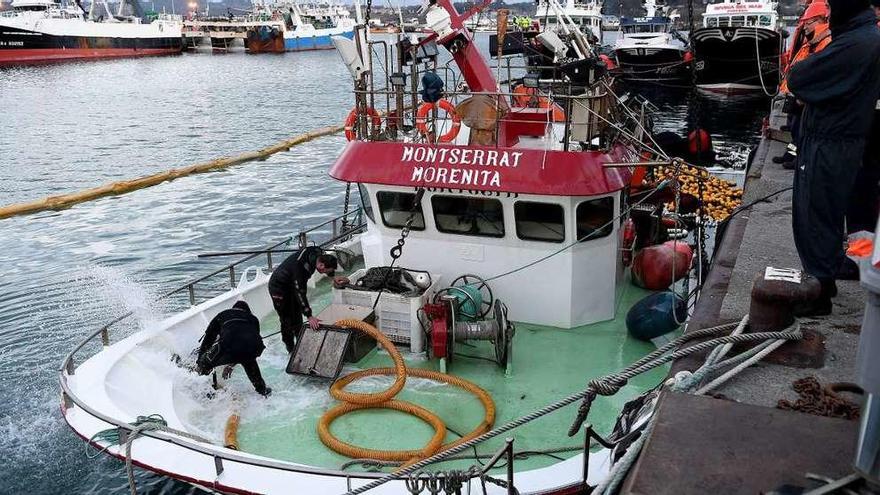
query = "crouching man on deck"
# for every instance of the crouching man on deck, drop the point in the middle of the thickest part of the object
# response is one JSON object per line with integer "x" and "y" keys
{"x": 233, "y": 337}
{"x": 288, "y": 288}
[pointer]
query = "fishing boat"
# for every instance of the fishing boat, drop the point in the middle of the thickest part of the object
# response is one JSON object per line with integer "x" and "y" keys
{"x": 737, "y": 48}
{"x": 44, "y": 31}
{"x": 586, "y": 14}
{"x": 510, "y": 231}
{"x": 610, "y": 23}
{"x": 301, "y": 28}
{"x": 649, "y": 49}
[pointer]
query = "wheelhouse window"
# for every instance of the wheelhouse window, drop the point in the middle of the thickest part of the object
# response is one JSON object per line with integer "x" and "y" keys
{"x": 712, "y": 22}
{"x": 468, "y": 216}
{"x": 396, "y": 208}
{"x": 539, "y": 221}
{"x": 737, "y": 20}
{"x": 765, "y": 20}
{"x": 366, "y": 202}
{"x": 594, "y": 219}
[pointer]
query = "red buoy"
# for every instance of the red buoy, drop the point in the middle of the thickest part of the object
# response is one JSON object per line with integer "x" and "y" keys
{"x": 688, "y": 56}
{"x": 699, "y": 142}
{"x": 657, "y": 267}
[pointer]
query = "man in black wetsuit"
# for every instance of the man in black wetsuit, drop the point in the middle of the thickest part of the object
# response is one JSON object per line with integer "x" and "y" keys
{"x": 233, "y": 337}
{"x": 287, "y": 286}
{"x": 839, "y": 87}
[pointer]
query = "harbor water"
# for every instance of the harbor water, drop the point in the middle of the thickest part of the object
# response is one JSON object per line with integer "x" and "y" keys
{"x": 63, "y": 274}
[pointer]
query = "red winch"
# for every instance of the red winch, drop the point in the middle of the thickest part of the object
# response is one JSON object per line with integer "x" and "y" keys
{"x": 445, "y": 330}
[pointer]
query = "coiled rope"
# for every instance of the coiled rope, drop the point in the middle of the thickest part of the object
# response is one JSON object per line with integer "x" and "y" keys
{"x": 602, "y": 386}
{"x": 352, "y": 401}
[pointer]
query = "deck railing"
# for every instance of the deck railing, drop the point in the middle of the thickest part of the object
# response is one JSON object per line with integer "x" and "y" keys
{"x": 339, "y": 229}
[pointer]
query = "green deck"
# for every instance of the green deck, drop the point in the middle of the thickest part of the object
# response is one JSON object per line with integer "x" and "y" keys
{"x": 548, "y": 364}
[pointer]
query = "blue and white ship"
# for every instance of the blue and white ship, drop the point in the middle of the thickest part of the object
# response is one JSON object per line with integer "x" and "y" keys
{"x": 295, "y": 28}
{"x": 314, "y": 25}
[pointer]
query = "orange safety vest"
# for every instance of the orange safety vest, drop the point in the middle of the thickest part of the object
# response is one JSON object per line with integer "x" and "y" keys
{"x": 820, "y": 40}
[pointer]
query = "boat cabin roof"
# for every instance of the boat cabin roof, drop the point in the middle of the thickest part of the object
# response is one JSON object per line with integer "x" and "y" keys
{"x": 482, "y": 168}
{"x": 34, "y": 4}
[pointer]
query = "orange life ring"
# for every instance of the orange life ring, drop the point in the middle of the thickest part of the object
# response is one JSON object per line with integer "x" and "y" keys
{"x": 422, "y": 120}
{"x": 524, "y": 97}
{"x": 352, "y": 118}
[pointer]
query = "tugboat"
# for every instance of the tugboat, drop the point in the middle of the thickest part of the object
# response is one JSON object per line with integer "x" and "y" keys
{"x": 44, "y": 31}
{"x": 301, "y": 28}
{"x": 737, "y": 48}
{"x": 506, "y": 234}
{"x": 648, "y": 49}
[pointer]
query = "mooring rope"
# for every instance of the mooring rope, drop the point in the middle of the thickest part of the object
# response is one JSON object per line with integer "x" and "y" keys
{"x": 602, "y": 386}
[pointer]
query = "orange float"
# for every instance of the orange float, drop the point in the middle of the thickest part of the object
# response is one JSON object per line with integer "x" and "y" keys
{"x": 352, "y": 118}
{"x": 422, "y": 120}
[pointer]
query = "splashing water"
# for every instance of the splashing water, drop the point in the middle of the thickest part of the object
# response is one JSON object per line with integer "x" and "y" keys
{"x": 116, "y": 290}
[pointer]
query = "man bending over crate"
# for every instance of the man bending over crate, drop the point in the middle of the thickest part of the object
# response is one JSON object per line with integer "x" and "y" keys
{"x": 288, "y": 288}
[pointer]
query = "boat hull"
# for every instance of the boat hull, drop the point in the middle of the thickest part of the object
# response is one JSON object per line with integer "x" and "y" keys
{"x": 320, "y": 40}
{"x": 652, "y": 64}
{"x": 21, "y": 46}
{"x": 727, "y": 59}
{"x": 264, "y": 40}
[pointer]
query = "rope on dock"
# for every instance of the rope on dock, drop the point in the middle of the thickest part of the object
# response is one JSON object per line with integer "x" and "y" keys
{"x": 121, "y": 187}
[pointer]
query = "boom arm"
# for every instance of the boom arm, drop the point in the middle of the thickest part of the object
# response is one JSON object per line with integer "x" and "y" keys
{"x": 444, "y": 19}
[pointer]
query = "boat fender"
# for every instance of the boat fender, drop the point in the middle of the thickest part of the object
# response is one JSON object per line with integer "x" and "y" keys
{"x": 422, "y": 120}
{"x": 350, "y": 121}
{"x": 699, "y": 142}
{"x": 688, "y": 57}
{"x": 656, "y": 315}
{"x": 657, "y": 267}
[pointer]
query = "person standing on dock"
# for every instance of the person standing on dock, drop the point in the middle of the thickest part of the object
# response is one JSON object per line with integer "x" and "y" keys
{"x": 813, "y": 28}
{"x": 233, "y": 337}
{"x": 839, "y": 87}
{"x": 288, "y": 289}
{"x": 865, "y": 199}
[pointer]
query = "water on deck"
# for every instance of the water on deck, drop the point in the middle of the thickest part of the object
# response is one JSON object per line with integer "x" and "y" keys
{"x": 547, "y": 364}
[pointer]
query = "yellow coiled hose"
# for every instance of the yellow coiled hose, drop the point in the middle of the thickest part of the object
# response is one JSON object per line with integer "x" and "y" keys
{"x": 384, "y": 400}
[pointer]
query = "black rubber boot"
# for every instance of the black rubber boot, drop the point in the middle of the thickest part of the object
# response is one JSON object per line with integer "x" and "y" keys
{"x": 848, "y": 270}
{"x": 785, "y": 158}
{"x": 821, "y": 306}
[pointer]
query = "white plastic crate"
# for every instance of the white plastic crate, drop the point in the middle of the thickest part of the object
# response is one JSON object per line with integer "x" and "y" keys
{"x": 396, "y": 315}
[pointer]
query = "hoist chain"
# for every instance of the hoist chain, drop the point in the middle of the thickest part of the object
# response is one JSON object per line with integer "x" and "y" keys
{"x": 397, "y": 250}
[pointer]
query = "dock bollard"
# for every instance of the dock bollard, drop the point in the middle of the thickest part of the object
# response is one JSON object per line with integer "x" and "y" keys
{"x": 775, "y": 293}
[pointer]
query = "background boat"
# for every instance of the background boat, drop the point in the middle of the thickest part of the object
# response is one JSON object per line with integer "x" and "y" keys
{"x": 649, "y": 49}
{"x": 41, "y": 31}
{"x": 737, "y": 49}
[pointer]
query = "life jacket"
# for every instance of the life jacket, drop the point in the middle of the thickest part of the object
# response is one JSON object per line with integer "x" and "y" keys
{"x": 821, "y": 39}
